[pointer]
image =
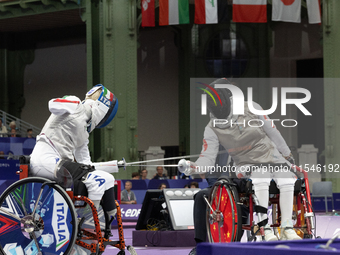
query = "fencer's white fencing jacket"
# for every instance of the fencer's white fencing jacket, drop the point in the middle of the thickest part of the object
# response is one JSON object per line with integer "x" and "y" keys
{"x": 246, "y": 144}
{"x": 66, "y": 129}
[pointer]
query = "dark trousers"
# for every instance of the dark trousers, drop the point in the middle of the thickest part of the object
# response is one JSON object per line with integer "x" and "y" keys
{"x": 200, "y": 215}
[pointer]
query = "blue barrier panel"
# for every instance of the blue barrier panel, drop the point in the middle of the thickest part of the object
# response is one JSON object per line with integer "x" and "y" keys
{"x": 154, "y": 184}
{"x": 17, "y": 145}
{"x": 179, "y": 183}
{"x": 136, "y": 184}
{"x": 319, "y": 203}
{"x": 140, "y": 194}
{"x": 8, "y": 169}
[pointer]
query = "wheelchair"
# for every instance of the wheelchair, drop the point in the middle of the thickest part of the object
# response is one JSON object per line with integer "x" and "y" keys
{"x": 38, "y": 217}
{"x": 226, "y": 200}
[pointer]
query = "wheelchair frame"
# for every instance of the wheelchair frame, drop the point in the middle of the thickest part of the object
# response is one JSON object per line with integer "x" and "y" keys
{"x": 217, "y": 213}
{"x": 99, "y": 238}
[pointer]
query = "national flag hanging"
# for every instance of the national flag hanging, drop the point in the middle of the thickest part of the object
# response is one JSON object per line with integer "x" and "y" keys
{"x": 314, "y": 11}
{"x": 253, "y": 11}
{"x": 206, "y": 11}
{"x": 173, "y": 12}
{"x": 286, "y": 10}
{"x": 148, "y": 13}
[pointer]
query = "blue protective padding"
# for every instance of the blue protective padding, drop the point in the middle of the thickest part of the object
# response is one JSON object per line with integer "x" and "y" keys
{"x": 140, "y": 194}
{"x": 154, "y": 184}
{"x": 136, "y": 184}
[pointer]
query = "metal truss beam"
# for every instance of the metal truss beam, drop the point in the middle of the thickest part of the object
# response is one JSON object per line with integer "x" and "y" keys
{"x": 19, "y": 8}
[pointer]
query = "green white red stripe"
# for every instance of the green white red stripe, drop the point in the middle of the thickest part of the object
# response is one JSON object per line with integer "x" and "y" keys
{"x": 173, "y": 12}
{"x": 206, "y": 12}
{"x": 108, "y": 94}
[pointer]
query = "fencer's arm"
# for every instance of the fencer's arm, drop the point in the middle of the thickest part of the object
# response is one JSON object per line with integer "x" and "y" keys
{"x": 67, "y": 104}
{"x": 209, "y": 149}
{"x": 272, "y": 132}
{"x": 108, "y": 166}
{"x": 82, "y": 155}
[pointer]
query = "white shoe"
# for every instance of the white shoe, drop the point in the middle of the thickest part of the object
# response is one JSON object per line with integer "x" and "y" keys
{"x": 288, "y": 232}
{"x": 268, "y": 234}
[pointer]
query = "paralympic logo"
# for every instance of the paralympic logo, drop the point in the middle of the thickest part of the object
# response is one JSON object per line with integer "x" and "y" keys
{"x": 204, "y": 97}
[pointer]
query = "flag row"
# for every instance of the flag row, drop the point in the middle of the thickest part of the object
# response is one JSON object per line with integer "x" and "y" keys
{"x": 174, "y": 12}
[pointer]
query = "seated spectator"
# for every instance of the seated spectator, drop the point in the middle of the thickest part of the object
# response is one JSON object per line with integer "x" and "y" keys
{"x": 3, "y": 129}
{"x": 2, "y": 155}
{"x": 162, "y": 186}
{"x": 127, "y": 196}
{"x": 14, "y": 133}
{"x": 29, "y": 133}
{"x": 13, "y": 125}
{"x": 194, "y": 185}
{"x": 186, "y": 186}
{"x": 159, "y": 175}
{"x": 135, "y": 176}
{"x": 143, "y": 174}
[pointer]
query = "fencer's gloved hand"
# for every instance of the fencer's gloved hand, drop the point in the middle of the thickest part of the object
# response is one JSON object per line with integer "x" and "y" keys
{"x": 290, "y": 158}
{"x": 187, "y": 167}
{"x": 121, "y": 163}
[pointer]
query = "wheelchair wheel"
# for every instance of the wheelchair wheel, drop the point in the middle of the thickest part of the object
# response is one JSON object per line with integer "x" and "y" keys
{"x": 36, "y": 217}
{"x": 224, "y": 217}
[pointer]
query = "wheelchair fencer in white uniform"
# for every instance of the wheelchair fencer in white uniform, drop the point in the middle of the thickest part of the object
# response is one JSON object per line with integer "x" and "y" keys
{"x": 250, "y": 146}
{"x": 64, "y": 138}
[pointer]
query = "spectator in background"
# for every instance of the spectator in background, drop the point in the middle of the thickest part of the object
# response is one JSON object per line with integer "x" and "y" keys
{"x": 3, "y": 129}
{"x": 194, "y": 185}
{"x": 135, "y": 176}
{"x": 143, "y": 174}
{"x": 127, "y": 196}
{"x": 13, "y": 125}
{"x": 186, "y": 186}
{"x": 14, "y": 133}
{"x": 29, "y": 133}
{"x": 162, "y": 186}
{"x": 2, "y": 155}
{"x": 159, "y": 175}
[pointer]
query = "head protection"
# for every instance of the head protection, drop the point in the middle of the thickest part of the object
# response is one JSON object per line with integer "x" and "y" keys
{"x": 221, "y": 108}
{"x": 104, "y": 106}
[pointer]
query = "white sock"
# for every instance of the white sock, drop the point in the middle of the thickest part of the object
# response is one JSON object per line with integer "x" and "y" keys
{"x": 262, "y": 193}
{"x": 112, "y": 213}
{"x": 286, "y": 203}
